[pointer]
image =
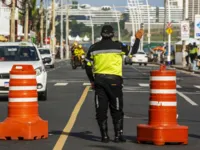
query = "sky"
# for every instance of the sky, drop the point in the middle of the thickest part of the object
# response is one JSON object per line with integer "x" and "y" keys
{"x": 118, "y": 2}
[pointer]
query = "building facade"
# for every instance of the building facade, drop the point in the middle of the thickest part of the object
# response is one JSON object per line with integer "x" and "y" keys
{"x": 192, "y": 8}
{"x": 89, "y": 15}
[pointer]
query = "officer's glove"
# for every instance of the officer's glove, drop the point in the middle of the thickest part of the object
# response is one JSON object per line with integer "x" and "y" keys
{"x": 139, "y": 34}
{"x": 92, "y": 85}
{"x": 130, "y": 56}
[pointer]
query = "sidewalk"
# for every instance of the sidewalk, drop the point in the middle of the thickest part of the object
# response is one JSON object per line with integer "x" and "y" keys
{"x": 185, "y": 68}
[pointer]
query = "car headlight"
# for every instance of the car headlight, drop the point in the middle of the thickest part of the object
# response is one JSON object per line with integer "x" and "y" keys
{"x": 38, "y": 71}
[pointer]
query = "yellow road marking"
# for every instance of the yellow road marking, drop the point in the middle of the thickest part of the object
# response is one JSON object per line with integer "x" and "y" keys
{"x": 63, "y": 137}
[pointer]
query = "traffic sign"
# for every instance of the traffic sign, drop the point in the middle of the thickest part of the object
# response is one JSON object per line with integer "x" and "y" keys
{"x": 169, "y": 31}
{"x": 197, "y": 27}
{"x": 185, "y": 30}
{"x": 169, "y": 25}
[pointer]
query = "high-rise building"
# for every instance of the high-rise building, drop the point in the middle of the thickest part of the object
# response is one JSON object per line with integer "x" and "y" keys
{"x": 193, "y": 8}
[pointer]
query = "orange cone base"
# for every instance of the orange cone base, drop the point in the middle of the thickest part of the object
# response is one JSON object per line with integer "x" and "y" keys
{"x": 19, "y": 129}
{"x": 161, "y": 135}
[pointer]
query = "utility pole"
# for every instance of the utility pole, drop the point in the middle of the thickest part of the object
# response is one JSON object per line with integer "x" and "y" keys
{"x": 165, "y": 14}
{"x": 67, "y": 31}
{"x": 61, "y": 30}
{"x": 12, "y": 22}
{"x": 41, "y": 23}
{"x": 26, "y": 22}
{"x": 53, "y": 29}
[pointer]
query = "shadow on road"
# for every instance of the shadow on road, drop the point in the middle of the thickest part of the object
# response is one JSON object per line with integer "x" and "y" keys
{"x": 87, "y": 135}
{"x": 194, "y": 136}
{"x": 4, "y": 98}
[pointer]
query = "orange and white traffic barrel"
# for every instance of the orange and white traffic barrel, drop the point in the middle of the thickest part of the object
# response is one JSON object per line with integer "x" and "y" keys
{"x": 23, "y": 121}
{"x": 162, "y": 126}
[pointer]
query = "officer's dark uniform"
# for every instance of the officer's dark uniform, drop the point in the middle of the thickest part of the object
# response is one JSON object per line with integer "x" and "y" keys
{"x": 104, "y": 68}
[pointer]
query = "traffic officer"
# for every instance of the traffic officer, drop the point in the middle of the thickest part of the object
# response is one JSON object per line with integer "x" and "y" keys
{"x": 104, "y": 69}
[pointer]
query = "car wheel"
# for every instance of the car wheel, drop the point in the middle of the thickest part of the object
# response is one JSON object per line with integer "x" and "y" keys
{"x": 42, "y": 96}
{"x": 140, "y": 64}
{"x": 145, "y": 64}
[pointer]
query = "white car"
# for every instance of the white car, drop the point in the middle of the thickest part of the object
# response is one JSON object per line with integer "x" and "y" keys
{"x": 22, "y": 53}
{"x": 140, "y": 57}
{"x": 46, "y": 53}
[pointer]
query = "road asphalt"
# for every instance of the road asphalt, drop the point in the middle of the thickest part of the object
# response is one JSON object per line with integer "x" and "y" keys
{"x": 71, "y": 115}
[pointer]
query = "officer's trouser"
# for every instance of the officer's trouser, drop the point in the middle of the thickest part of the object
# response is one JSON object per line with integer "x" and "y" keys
{"x": 108, "y": 93}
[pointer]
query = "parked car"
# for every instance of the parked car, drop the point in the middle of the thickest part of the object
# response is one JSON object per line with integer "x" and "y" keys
{"x": 46, "y": 53}
{"x": 139, "y": 57}
{"x": 22, "y": 53}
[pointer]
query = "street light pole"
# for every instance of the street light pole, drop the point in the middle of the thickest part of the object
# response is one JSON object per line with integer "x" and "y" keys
{"x": 149, "y": 27}
{"x": 61, "y": 31}
{"x": 41, "y": 23}
{"x": 169, "y": 35}
{"x": 92, "y": 26}
{"x": 67, "y": 31}
{"x": 118, "y": 24}
{"x": 53, "y": 29}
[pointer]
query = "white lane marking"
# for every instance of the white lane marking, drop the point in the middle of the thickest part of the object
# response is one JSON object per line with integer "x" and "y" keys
{"x": 60, "y": 84}
{"x": 33, "y": 99}
{"x": 178, "y": 86}
{"x": 86, "y": 84}
{"x": 163, "y": 78}
{"x": 158, "y": 103}
{"x": 162, "y": 91}
{"x": 143, "y": 85}
{"x": 187, "y": 98}
{"x": 197, "y": 86}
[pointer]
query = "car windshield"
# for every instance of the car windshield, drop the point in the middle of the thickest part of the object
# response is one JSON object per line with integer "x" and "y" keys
{"x": 18, "y": 53}
{"x": 44, "y": 51}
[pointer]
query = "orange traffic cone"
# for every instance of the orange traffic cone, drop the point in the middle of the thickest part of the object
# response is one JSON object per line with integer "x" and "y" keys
{"x": 162, "y": 126}
{"x": 23, "y": 121}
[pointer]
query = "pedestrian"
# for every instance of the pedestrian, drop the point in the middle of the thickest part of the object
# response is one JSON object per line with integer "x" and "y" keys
{"x": 193, "y": 52}
{"x": 188, "y": 48}
{"x": 104, "y": 69}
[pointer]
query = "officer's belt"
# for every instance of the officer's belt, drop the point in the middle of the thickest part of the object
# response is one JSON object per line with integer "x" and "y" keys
{"x": 108, "y": 76}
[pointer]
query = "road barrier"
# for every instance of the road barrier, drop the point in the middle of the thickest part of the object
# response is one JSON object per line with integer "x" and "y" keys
{"x": 162, "y": 126}
{"x": 23, "y": 121}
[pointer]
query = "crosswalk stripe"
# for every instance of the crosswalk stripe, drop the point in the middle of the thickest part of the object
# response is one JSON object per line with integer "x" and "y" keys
{"x": 143, "y": 85}
{"x": 86, "y": 84}
{"x": 197, "y": 86}
{"x": 60, "y": 84}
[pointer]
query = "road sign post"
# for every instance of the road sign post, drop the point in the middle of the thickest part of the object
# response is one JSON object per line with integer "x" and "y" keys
{"x": 185, "y": 35}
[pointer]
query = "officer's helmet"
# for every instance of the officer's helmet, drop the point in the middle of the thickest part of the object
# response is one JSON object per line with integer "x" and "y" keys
{"x": 80, "y": 46}
{"x": 107, "y": 31}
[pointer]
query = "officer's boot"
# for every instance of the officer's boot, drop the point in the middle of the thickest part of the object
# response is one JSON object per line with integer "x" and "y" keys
{"x": 104, "y": 131}
{"x": 118, "y": 127}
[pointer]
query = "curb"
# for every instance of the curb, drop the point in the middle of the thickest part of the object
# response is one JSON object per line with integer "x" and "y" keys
{"x": 180, "y": 68}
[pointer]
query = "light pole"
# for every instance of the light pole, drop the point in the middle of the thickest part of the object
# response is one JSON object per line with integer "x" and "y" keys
{"x": 53, "y": 29}
{"x": 169, "y": 35}
{"x": 61, "y": 30}
{"x": 67, "y": 31}
{"x": 92, "y": 26}
{"x": 118, "y": 24}
{"x": 149, "y": 27}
